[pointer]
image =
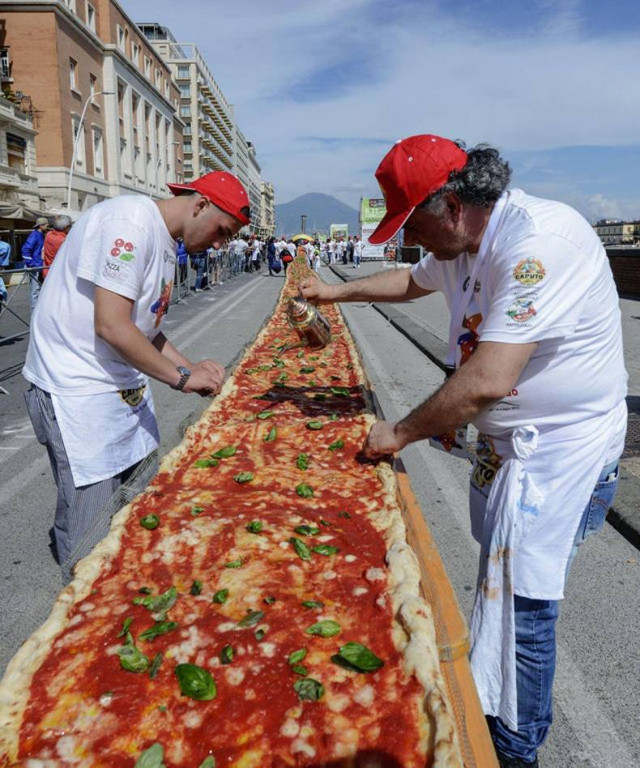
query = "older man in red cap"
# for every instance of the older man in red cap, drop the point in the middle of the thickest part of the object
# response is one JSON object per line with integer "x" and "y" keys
{"x": 96, "y": 339}
{"x": 536, "y": 343}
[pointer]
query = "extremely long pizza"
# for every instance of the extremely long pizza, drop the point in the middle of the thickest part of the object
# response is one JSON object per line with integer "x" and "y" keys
{"x": 257, "y": 606}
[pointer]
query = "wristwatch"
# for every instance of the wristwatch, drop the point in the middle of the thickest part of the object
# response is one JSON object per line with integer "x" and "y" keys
{"x": 184, "y": 378}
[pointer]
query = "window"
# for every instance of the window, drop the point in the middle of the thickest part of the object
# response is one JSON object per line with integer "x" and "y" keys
{"x": 71, "y": 5}
{"x": 93, "y": 85}
{"x": 91, "y": 17}
{"x": 187, "y": 148}
{"x": 183, "y": 72}
{"x": 73, "y": 74}
{"x": 147, "y": 67}
{"x": 135, "y": 54}
{"x": 98, "y": 153}
{"x": 185, "y": 91}
{"x": 185, "y": 110}
{"x": 78, "y": 139}
{"x": 166, "y": 89}
{"x": 121, "y": 37}
{"x": 158, "y": 78}
{"x": 16, "y": 153}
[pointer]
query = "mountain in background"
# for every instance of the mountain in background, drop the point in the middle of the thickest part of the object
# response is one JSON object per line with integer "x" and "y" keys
{"x": 321, "y": 210}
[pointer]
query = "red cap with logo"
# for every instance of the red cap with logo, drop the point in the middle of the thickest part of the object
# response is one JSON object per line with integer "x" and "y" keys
{"x": 222, "y": 189}
{"x": 411, "y": 171}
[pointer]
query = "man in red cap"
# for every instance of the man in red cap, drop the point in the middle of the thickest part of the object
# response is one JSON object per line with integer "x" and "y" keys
{"x": 536, "y": 343}
{"x": 96, "y": 339}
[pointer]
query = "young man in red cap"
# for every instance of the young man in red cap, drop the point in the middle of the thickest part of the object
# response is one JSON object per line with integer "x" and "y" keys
{"x": 534, "y": 310}
{"x": 96, "y": 339}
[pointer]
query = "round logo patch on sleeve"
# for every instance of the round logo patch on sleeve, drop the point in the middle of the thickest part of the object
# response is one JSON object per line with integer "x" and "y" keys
{"x": 529, "y": 271}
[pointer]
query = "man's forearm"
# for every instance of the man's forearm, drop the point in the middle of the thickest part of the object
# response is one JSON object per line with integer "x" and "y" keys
{"x": 166, "y": 348}
{"x": 383, "y": 286}
{"x": 131, "y": 344}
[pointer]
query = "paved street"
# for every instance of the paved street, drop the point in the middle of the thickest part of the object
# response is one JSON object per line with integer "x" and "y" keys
{"x": 596, "y": 693}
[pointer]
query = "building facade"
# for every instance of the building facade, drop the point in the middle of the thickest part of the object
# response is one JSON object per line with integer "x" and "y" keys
{"x": 106, "y": 102}
{"x": 617, "y": 232}
{"x": 18, "y": 179}
{"x": 267, "y": 209}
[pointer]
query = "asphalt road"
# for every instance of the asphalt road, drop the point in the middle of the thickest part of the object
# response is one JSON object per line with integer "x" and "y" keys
{"x": 597, "y": 696}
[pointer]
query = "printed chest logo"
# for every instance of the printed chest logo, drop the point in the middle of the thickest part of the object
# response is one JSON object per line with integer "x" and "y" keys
{"x": 529, "y": 271}
{"x": 488, "y": 462}
{"x": 477, "y": 287}
{"x": 521, "y": 309}
{"x": 122, "y": 250}
{"x": 160, "y": 307}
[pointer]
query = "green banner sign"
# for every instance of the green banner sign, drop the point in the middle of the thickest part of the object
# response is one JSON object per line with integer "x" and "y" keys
{"x": 372, "y": 211}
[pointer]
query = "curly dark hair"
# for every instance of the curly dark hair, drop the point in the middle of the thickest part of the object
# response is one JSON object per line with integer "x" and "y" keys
{"x": 481, "y": 182}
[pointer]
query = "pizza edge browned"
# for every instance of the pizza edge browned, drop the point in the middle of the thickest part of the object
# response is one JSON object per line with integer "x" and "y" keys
{"x": 413, "y": 629}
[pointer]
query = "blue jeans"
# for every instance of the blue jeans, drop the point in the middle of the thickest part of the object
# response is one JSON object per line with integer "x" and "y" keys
{"x": 536, "y": 642}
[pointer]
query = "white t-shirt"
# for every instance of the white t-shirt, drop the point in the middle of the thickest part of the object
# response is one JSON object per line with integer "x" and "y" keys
{"x": 122, "y": 245}
{"x": 544, "y": 278}
{"x": 241, "y": 246}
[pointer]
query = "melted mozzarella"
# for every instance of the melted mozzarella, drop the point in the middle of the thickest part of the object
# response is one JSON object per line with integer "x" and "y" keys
{"x": 234, "y": 675}
{"x": 375, "y": 574}
{"x": 365, "y": 696}
{"x": 300, "y": 745}
{"x": 290, "y": 728}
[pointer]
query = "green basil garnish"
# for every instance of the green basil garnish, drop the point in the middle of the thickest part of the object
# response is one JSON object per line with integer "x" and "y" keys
{"x": 335, "y": 446}
{"x": 125, "y": 626}
{"x": 226, "y": 654}
{"x": 325, "y": 523}
{"x": 196, "y": 588}
{"x": 269, "y": 600}
{"x": 155, "y": 665}
{"x": 160, "y": 628}
{"x": 297, "y": 656}
{"x": 204, "y": 463}
{"x": 235, "y": 564}
{"x": 307, "y": 530}
{"x": 132, "y": 659}
{"x": 151, "y": 758}
{"x": 309, "y": 689}
{"x": 359, "y": 657}
{"x": 324, "y": 628}
{"x": 259, "y": 634}
{"x": 243, "y": 477}
{"x": 196, "y": 682}
{"x": 150, "y": 522}
{"x": 251, "y": 619}
{"x": 225, "y": 453}
{"x": 302, "y": 461}
{"x": 320, "y": 396}
{"x": 208, "y": 762}
{"x": 255, "y": 526}
{"x": 314, "y": 425}
{"x": 265, "y": 414}
{"x": 299, "y": 669}
{"x": 334, "y": 417}
{"x": 145, "y": 591}
{"x": 302, "y": 550}
{"x": 304, "y": 490}
{"x": 300, "y": 354}
{"x": 345, "y": 515}
{"x": 341, "y": 391}
{"x": 312, "y": 604}
{"x": 325, "y": 549}
{"x": 158, "y": 603}
{"x": 307, "y": 369}
{"x": 220, "y": 596}
{"x": 196, "y": 510}
{"x": 271, "y": 435}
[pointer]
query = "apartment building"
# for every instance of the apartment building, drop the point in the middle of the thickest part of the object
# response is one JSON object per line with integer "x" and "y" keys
{"x": 618, "y": 232}
{"x": 267, "y": 209}
{"x": 19, "y": 195}
{"x": 106, "y": 102}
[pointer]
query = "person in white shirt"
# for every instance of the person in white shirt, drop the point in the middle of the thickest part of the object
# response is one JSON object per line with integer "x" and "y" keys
{"x": 241, "y": 254}
{"x": 96, "y": 339}
{"x": 331, "y": 250}
{"x": 536, "y": 340}
{"x": 357, "y": 252}
{"x": 310, "y": 252}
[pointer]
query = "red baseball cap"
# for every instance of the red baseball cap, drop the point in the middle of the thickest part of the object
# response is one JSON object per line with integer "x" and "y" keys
{"x": 412, "y": 170}
{"x": 222, "y": 189}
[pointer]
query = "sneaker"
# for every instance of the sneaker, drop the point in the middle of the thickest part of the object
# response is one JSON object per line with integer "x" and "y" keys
{"x": 515, "y": 762}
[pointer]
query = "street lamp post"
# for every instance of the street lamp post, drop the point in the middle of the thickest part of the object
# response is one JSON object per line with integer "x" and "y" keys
{"x": 164, "y": 149}
{"x": 77, "y": 137}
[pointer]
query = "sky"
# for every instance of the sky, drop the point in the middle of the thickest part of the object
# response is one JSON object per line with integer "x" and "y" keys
{"x": 323, "y": 88}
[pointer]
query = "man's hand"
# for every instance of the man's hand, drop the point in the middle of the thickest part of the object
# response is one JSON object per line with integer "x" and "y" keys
{"x": 206, "y": 379}
{"x": 382, "y": 440}
{"x": 314, "y": 290}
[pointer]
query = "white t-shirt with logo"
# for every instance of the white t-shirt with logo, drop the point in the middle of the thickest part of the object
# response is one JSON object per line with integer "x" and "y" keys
{"x": 103, "y": 404}
{"x": 543, "y": 277}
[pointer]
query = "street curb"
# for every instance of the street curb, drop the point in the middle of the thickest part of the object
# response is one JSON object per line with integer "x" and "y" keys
{"x": 624, "y": 516}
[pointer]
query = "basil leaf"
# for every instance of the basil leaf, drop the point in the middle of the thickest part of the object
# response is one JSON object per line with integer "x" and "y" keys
{"x": 208, "y": 762}
{"x": 325, "y": 549}
{"x": 158, "y": 603}
{"x": 196, "y": 588}
{"x": 335, "y": 446}
{"x": 302, "y": 550}
{"x": 260, "y": 633}
{"x": 150, "y": 522}
{"x": 349, "y": 367}
{"x": 255, "y": 526}
{"x": 282, "y": 377}
{"x": 225, "y": 453}
{"x": 360, "y": 657}
{"x": 144, "y": 591}
{"x": 235, "y": 564}
{"x": 334, "y": 417}
{"x": 265, "y": 367}
{"x": 297, "y": 656}
{"x": 325, "y": 523}
{"x": 265, "y": 415}
{"x": 307, "y": 369}
{"x": 312, "y": 383}
{"x": 324, "y": 628}
{"x": 243, "y": 477}
{"x": 300, "y": 354}
{"x": 304, "y": 490}
{"x": 313, "y": 357}
{"x": 196, "y": 510}
{"x": 251, "y": 619}
{"x": 250, "y": 418}
{"x": 302, "y": 461}
{"x": 309, "y": 689}
{"x": 132, "y": 659}
{"x": 155, "y": 665}
{"x": 312, "y": 604}
{"x": 161, "y": 628}
{"x": 203, "y": 463}
{"x": 341, "y": 391}
{"x": 269, "y": 600}
{"x": 307, "y": 530}
{"x": 226, "y": 655}
{"x": 195, "y": 682}
{"x": 271, "y": 435}
{"x": 220, "y": 596}
{"x": 151, "y": 758}
{"x": 345, "y": 515}
{"x": 299, "y": 669}
{"x": 125, "y": 626}
{"x": 314, "y": 425}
